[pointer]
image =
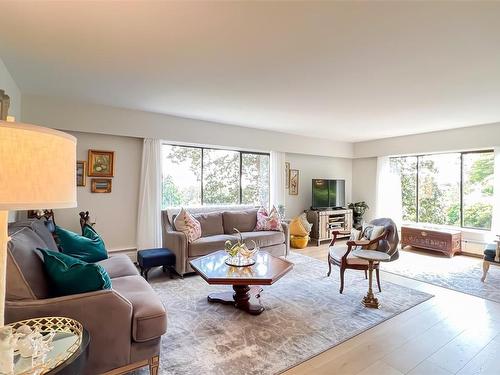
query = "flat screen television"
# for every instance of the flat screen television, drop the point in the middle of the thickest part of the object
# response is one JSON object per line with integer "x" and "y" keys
{"x": 328, "y": 194}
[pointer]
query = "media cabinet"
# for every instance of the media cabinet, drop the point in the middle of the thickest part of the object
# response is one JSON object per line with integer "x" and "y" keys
{"x": 324, "y": 222}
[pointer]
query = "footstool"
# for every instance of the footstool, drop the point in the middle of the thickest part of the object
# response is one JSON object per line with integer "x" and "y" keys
{"x": 149, "y": 258}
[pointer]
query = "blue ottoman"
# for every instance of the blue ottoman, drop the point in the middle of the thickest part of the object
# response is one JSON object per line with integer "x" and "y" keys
{"x": 149, "y": 258}
{"x": 490, "y": 252}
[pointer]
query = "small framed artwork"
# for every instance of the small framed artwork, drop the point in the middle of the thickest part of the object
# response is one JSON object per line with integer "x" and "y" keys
{"x": 294, "y": 182}
{"x": 100, "y": 185}
{"x": 287, "y": 175}
{"x": 81, "y": 179}
{"x": 101, "y": 163}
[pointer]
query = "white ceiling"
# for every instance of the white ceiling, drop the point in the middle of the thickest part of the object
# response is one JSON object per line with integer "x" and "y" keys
{"x": 344, "y": 71}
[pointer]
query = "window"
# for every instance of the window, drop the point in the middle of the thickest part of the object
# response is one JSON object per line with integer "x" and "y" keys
{"x": 195, "y": 176}
{"x": 450, "y": 189}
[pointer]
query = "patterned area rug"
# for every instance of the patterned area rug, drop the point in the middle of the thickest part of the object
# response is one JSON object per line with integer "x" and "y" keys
{"x": 305, "y": 315}
{"x": 460, "y": 273}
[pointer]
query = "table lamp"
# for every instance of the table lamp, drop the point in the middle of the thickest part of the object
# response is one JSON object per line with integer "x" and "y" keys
{"x": 37, "y": 170}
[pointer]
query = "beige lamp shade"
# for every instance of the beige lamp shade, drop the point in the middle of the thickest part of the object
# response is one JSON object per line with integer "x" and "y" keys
{"x": 37, "y": 167}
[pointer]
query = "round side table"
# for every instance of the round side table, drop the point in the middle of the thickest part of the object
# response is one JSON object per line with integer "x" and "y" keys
{"x": 371, "y": 256}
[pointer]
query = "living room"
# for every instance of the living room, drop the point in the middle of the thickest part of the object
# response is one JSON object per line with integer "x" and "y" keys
{"x": 295, "y": 136}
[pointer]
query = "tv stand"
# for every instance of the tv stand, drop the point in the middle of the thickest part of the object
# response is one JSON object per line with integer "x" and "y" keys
{"x": 326, "y": 221}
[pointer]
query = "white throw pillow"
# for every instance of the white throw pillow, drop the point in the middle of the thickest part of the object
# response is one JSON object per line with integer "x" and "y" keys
{"x": 184, "y": 222}
{"x": 370, "y": 232}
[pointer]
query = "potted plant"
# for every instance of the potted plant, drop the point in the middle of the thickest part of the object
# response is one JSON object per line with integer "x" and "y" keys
{"x": 358, "y": 210}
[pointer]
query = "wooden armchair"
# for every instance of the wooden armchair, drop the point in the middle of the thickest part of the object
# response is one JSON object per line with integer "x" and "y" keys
{"x": 340, "y": 255}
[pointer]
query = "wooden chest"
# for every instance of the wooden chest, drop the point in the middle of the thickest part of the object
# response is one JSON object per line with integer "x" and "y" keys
{"x": 446, "y": 241}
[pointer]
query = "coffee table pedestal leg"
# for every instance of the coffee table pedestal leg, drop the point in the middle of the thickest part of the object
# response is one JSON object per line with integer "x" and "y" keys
{"x": 243, "y": 298}
{"x": 370, "y": 300}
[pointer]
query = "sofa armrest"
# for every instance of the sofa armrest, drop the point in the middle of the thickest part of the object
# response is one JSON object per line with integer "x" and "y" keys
{"x": 286, "y": 231}
{"x": 105, "y": 314}
{"x": 177, "y": 243}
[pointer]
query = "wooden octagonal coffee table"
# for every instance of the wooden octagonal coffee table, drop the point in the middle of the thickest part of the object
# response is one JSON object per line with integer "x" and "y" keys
{"x": 266, "y": 271}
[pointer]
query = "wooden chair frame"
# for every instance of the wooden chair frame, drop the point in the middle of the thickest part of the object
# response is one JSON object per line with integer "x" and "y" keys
{"x": 350, "y": 246}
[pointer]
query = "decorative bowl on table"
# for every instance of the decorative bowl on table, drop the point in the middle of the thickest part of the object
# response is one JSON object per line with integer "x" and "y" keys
{"x": 239, "y": 255}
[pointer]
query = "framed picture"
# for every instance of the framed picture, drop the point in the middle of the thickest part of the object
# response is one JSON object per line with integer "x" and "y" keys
{"x": 287, "y": 175}
{"x": 101, "y": 163}
{"x": 294, "y": 182}
{"x": 81, "y": 179}
{"x": 100, "y": 185}
{"x": 4, "y": 105}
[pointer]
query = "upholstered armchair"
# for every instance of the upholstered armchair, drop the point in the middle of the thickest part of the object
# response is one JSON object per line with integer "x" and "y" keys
{"x": 491, "y": 256}
{"x": 341, "y": 254}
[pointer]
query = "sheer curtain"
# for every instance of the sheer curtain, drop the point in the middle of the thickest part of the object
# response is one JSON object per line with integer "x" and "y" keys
{"x": 149, "y": 212}
{"x": 277, "y": 178}
{"x": 388, "y": 186}
{"x": 495, "y": 224}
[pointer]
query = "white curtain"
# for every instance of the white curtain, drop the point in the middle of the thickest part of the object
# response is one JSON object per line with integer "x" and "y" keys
{"x": 149, "y": 213}
{"x": 388, "y": 187}
{"x": 495, "y": 225}
{"x": 277, "y": 178}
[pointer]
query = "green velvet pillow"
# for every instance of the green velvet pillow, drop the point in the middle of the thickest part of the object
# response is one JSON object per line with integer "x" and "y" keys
{"x": 72, "y": 276}
{"x": 89, "y": 247}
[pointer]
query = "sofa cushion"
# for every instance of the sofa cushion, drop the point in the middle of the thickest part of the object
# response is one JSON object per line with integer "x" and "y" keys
{"x": 26, "y": 276}
{"x": 118, "y": 266}
{"x": 39, "y": 226}
{"x": 244, "y": 221}
{"x": 149, "y": 316}
{"x": 89, "y": 247}
{"x": 207, "y": 245}
{"x": 211, "y": 223}
{"x": 73, "y": 276}
{"x": 263, "y": 238}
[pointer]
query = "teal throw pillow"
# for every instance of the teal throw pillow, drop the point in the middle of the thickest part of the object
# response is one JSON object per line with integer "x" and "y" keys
{"x": 72, "y": 276}
{"x": 89, "y": 247}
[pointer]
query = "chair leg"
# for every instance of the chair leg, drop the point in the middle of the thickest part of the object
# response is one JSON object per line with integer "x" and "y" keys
{"x": 154, "y": 365}
{"x": 377, "y": 272}
{"x": 342, "y": 270}
{"x": 366, "y": 274}
{"x": 146, "y": 274}
{"x": 486, "y": 267}
{"x": 329, "y": 267}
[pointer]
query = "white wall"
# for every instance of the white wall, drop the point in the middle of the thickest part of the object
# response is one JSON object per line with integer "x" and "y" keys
{"x": 315, "y": 167}
{"x": 115, "y": 214}
{"x": 462, "y": 139}
{"x": 8, "y": 84}
{"x": 364, "y": 176}
{"x": 79, "y": 116}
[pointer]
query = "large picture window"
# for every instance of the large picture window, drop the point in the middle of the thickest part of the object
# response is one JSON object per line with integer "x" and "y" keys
{"x": 194, "y": 176}
{"x": 450, "y": 189}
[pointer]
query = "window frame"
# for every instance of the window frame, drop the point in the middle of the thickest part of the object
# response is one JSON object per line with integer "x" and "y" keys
{"x": 241, "y": 152}
{"x": 417, "y": 172}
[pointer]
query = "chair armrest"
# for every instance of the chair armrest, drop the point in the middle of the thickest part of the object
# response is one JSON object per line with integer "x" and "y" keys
{"x": 177, "y": 243}
{"x": 105, "y": 314}
{"x": 336, "y": 233}
{"x": 286, "y": 232}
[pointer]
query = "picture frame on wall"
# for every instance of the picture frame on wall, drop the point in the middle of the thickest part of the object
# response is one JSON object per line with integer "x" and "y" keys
{"x": 81, "y": 169}
{"x": 294, "y": 182}
{"x": 100, "y": 185}
{"x": 287, "y": 175}
{"x": 101, "y": 163}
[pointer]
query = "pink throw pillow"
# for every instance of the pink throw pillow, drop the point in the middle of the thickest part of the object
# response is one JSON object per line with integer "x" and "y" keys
{"x": 186, "y": 223}
{"x": 268, "y": 221}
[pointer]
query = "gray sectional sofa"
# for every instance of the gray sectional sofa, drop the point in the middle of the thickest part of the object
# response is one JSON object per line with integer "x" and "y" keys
{"x": 217, "y": 227}
{"x": 125, "y": 323}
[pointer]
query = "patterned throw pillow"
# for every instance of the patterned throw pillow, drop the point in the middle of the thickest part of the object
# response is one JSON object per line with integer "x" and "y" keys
{"x": 268, "y": 220}
{"x": 355, "y": 234}
{"x": 371, "y": 232}
{"x": 185, "y": 222}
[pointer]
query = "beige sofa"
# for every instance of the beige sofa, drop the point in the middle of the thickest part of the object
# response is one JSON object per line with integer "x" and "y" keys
{"x": 125, "y": 323}
{"x": 217, "y": 228}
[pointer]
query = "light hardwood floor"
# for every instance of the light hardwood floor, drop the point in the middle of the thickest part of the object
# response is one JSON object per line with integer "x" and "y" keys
{"x": 452, "y": 333}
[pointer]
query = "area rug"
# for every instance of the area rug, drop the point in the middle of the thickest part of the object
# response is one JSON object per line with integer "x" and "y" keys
{"x": 460, "y": 273}
{"x": 305, "y": 315}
